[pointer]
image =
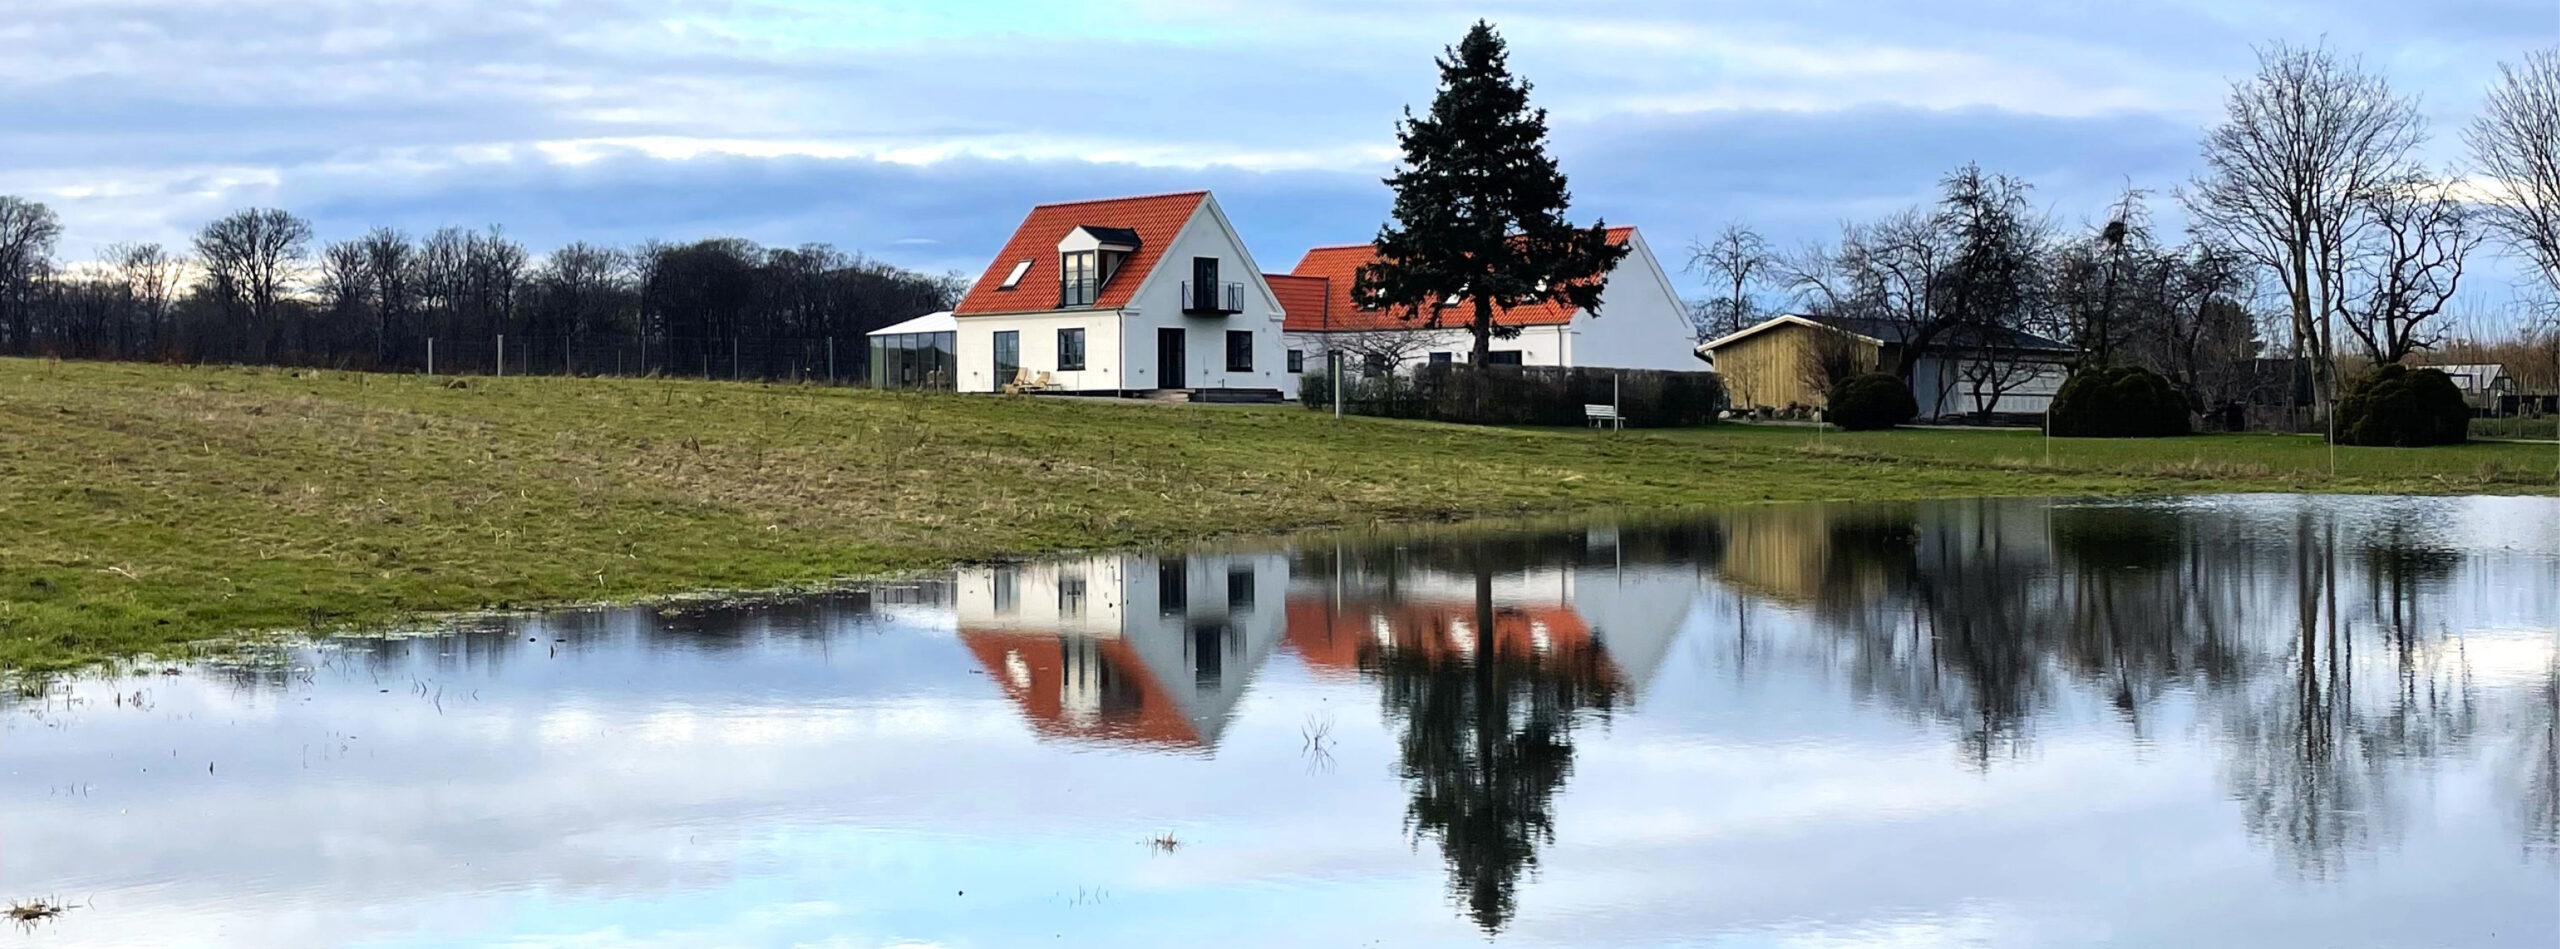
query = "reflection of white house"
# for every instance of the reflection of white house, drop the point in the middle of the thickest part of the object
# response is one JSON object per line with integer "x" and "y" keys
{"x": 1641, "y": 322}
{"x": 1125, "y": 648}
{"x": 1122, "y": 296}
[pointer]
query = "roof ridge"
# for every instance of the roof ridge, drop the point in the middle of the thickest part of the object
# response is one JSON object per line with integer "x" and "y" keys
{"x": 1133, "y": 197}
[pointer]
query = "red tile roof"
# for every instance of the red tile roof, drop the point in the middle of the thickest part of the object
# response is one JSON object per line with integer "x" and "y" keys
{"x": 1302, "y": 298}
{"x": 1138, "y": 712}
{"x": 1340, "y": 641}
{"x": 1340, "y": 265}
{"x": 1156, "y": 218}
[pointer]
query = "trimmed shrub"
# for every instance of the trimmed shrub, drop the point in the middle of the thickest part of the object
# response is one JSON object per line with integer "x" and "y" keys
{"x": 2119, "y": 402}
{"x": 2396, "y": 406}
{"x": 1539, "y": 395}
{"x": 1870, "y": 401}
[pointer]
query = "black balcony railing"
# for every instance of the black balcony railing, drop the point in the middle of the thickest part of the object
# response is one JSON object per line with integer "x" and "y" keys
{"x": 1212, "y": 299}
{"x": 1079, "y": 292}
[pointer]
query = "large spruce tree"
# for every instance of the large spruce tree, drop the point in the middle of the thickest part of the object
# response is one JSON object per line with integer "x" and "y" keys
{"x": 1479, "y": 214}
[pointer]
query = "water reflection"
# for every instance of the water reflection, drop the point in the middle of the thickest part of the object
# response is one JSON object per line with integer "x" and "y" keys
{"x": 1580, "y": 729}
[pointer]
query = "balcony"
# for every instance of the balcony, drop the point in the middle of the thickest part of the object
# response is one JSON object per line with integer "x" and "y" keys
{"x": 1212, "y": 299}
{"x": 1078, "y": 292}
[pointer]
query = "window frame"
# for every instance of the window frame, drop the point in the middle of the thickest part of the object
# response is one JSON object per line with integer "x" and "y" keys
{"x": 1297, "y": 361}
{"x": 1071, "y": 349}
{"x": 1240, "y": 360}
{"x": 1021, "y": 269}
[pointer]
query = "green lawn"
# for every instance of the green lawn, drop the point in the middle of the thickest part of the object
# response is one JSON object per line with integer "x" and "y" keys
{"x": 143, "y": 507}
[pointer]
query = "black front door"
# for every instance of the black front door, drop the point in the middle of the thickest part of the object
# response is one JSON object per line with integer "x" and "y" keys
{"x": 1169, "y": 346}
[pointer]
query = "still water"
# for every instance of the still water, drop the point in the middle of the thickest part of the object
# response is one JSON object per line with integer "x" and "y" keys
{"x": 2259, "y": 721}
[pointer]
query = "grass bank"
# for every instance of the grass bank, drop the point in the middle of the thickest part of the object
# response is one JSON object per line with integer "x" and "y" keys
{"x": 144, "y": 507}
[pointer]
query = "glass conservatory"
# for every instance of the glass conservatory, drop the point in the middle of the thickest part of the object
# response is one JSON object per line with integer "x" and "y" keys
{"x": 916, "y": 354}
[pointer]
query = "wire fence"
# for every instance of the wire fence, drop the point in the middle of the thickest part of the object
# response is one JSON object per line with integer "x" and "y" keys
{"x": 827, "y": 360}
{"x": 824, "y": 360}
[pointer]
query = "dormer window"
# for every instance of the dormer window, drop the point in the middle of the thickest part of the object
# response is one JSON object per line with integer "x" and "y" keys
{"x": 1079, "y": 283}
{"x": 1088, "y": 257}
{"x": 1014, "y": 279}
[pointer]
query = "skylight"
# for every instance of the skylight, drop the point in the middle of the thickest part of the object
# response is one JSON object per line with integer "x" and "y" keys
{"x": 1020, "y": 267}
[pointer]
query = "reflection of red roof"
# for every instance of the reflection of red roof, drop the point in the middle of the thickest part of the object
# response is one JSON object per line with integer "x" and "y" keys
{"x": 1335, "y": 639}
{"x": 1132, "y": 707}
{"x": 1156, "y": 218}
{"x": 1340, "y": 265}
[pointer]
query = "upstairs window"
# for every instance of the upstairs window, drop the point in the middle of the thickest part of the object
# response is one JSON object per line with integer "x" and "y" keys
{"x": 1204, "y": 283}
{"x": 1014, "y": 279}
{"x": 1078, "y": 282}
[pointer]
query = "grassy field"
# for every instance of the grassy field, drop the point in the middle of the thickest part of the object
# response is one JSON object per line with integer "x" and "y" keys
{"x": 143, "y": 508}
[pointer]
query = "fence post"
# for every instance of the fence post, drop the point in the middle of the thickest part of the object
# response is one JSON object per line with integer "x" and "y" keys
{"x": 733, "y": 359}
{"x": 502, "y": 355}
{"x": 831, "y": 360}
{"x": 568, "y": 364}
{"x": 431, "y": 356}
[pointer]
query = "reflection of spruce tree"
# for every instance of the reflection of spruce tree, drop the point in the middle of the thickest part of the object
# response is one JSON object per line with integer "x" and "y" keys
{"x": 1487, "y": 743}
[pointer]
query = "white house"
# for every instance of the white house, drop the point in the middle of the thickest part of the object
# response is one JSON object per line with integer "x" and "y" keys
{"x": 1641, "y": 322}
{"x": 1123, "y": 296}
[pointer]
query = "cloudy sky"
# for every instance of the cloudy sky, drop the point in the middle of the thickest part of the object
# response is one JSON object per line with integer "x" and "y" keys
{"x": 920, "y": 131}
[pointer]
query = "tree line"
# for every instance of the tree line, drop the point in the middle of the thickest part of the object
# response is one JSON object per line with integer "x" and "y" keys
{"x": 2314, "y": 235}
{"x": 255, "y": 286}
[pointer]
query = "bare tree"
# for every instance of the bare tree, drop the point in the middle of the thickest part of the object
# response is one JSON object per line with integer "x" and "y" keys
{"x": 1887, "y": 271}
{"x": 2516, "y": 144}
{"x": 347, "y": 293}
{"x": 1737, "y": 260}
{"x": 27, "y": 232}
{"x": 2301, "y": 145}
{"x": 583, "y": 288}
{"x": 1830, "y": 356}
{"x": 2407, "y": 266}
{"x": 252, "y": 259}
{"x": 149, "y": 278}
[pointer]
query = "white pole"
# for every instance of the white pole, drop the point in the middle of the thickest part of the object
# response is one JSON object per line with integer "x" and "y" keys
{"x": 1617, "y": 413}
{"x": 431, "y": 356}
{"x": 502, "y": 355}
{"x": 1335, "y": 357}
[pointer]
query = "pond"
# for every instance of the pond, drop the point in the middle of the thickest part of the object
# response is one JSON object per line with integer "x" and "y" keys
{"x": 2247, "y": 721}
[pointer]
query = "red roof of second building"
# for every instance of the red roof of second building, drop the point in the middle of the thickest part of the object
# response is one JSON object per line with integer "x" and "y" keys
{"x": 1156, "y": 218}
{"x": 1303, "y": 298}
{"x": 1340, "y": 265}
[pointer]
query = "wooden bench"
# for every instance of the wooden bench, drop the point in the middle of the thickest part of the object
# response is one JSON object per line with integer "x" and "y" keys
{"x": 1599, "y": 415}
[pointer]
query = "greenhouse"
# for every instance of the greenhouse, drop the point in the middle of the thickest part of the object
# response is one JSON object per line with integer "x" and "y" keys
{"x": 916, "y": 354}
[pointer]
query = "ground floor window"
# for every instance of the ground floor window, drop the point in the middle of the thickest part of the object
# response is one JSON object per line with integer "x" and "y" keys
{"x": 912, "y": 361}
{"x": 1239, "y": 350}
{"x": 1297, "y": 360}
{"x": 1374, "y": 364}
{"x": 1440, "y": 359}
{"x": 1070, "y": 350}
{"x": 1502, "y": 357}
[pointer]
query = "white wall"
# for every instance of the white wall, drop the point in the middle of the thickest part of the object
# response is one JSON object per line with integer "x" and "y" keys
{"x": 1158, "y": 305}
{"x": 1938, "y": 384}
{"x": 975, "y": 348}
{"x": 1537, "y": 345}
{"x": 1642, "y": 324}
